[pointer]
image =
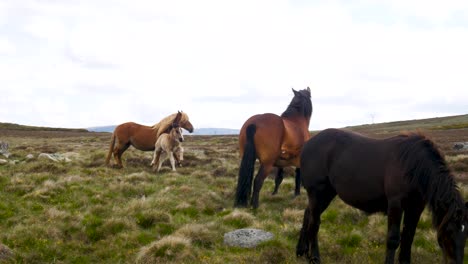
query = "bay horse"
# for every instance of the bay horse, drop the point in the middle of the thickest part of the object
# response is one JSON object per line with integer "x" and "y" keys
{"x": 168, "y": 143}
{"x": 277, "y": 142}
{"x": 397, "y": 176}
{"x": 141, "y": 137}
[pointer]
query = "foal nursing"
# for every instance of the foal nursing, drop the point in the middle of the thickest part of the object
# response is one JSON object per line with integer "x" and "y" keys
{"x": 169, "y": 143}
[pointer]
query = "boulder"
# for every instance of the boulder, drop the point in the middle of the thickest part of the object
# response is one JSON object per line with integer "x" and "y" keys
{"x": 29, "y": 156}
{"x": 3, "y": 161}
{"x": 53, "y": 157}
{"x": 460, "y": 146}
{"x": 4, "y": 149}
{"x": 246, "y": 238}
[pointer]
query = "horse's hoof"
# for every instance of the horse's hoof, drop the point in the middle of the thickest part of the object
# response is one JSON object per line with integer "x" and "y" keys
{"x": 274, "y": 192}
{"x": 314, "y": 260}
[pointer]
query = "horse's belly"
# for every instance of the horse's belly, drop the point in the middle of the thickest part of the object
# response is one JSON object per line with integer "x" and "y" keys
{"x": 368, "y": 204}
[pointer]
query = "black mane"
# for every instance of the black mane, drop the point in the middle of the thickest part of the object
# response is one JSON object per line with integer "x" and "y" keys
{"x": 427, "y": 169}
{"x": 301, "y": 104}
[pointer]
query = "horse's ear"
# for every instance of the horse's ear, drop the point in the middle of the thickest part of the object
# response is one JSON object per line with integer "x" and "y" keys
{"x": 308, "y": 89}
{"x": 294, "y": 91}
{"x": 177, "y": 119}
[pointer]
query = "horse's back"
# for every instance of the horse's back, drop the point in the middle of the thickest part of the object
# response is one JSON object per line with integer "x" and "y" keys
{"x": 140, "y": 136}
{"x": 269, "y": 132}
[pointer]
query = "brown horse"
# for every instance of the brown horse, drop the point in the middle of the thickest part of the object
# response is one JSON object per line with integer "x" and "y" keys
{"x": 396, "y": 176}
{"x": 277, "y": 142}
{"x": 141, "y": 137}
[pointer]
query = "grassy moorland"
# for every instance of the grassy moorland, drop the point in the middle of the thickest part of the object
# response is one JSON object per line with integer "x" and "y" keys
{"x": 84, "y": 212}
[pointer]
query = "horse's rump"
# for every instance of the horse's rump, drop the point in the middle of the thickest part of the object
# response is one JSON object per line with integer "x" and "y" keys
{"x": 269, "y": 131}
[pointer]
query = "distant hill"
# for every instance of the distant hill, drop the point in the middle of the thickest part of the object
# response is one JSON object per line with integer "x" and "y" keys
{"x": 198, "y": 131}
{"x": 215, "y": 131}
{"x": 436, "y": 123}
{"x": 101, "y": 129}
{"x": 12, "y": 126}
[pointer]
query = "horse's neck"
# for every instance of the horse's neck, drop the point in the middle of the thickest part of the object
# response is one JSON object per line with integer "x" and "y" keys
{"x": 297, "y": 123}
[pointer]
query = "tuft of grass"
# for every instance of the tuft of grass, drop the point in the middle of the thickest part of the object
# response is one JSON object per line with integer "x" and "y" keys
{"x": 167, "y": 249}
{"x": 239, "y": 219}
{"x": 147, "y": 219}
{"x": 201, "y": 235}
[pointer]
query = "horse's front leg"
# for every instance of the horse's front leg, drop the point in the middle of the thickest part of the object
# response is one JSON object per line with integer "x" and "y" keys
{"x": 258, "y": 183}
{"x": 320, "y": 198}
{"x": 410, "y": 221}
{"x": 171, "y": 158}
{"x": 278, "y": 180}
{"x": 393, "y": 230}
{"x": 177, "y": 158}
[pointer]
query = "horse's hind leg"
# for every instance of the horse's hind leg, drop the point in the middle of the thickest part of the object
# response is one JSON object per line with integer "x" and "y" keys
{"x": 278, "y": 180}
{"x": 118, "y": 151}
{"x": 297, "y": 190}
{"x": 258, "y": 183}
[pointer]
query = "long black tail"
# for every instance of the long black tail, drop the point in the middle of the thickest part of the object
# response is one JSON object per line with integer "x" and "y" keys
{"x": 246, "y": 170}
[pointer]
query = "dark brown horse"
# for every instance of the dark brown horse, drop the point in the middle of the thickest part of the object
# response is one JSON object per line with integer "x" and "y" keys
{"x": 397, "y": 176}
{"x": 141, "y": 137}
{"x": 277, "y": 142}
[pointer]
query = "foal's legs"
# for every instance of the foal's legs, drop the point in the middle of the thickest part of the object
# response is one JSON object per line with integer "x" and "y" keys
{"x": 156, "y": 160}
{"x": 410, "y": 221}
{"x": 319, "y": 199}
{"x": 171, "y": 158}
{"x": 278, "y": 180}
{"x": 393, "y": 232}
{"x": 258, "y": 182}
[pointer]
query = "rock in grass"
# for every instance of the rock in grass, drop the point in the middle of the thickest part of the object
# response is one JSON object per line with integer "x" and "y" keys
{"x": 246, "y": 238}
{"x": 53, "y": 157}
{"x": 29, "y": 156}
{"x": 3, "y": 161}
{"x": 460, "y": 146}
{"x": 4, "y": 149}
{"x": 5, "y": 253}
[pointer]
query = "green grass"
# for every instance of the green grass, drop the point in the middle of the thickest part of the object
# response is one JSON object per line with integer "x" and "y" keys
{"x": 84, "y": 212}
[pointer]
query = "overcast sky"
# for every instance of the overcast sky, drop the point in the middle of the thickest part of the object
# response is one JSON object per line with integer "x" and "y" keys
{"x": 83, "y": 63}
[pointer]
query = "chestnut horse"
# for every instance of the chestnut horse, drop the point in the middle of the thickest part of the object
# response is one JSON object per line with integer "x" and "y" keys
{"x": 277, "y": 142}
{"x": 141, "y": 137}
{"x": 397, "y": 176}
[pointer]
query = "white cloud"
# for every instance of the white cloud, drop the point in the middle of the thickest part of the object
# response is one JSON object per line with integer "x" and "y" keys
{"x": 88, "y": 63}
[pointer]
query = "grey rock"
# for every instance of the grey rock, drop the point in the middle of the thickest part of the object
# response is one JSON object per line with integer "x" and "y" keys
{"x": 53, "y": 157}
{"x": 29, "y": 156}
{"x": 3, "y": 161}
{"x": 246, "y": 238}
{"x": 4, "y": 149}
{"x": 460, "y": 146}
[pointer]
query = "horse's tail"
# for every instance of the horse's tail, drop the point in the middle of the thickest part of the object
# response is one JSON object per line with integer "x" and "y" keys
{"x": 246, "y": 170}
{"x": 111, "y": 148}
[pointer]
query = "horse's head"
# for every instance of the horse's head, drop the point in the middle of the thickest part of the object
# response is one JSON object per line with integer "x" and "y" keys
{"x": 300, "y": 105}
{"x": 176, "y": 130}
{"x": 452, "y": 235}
